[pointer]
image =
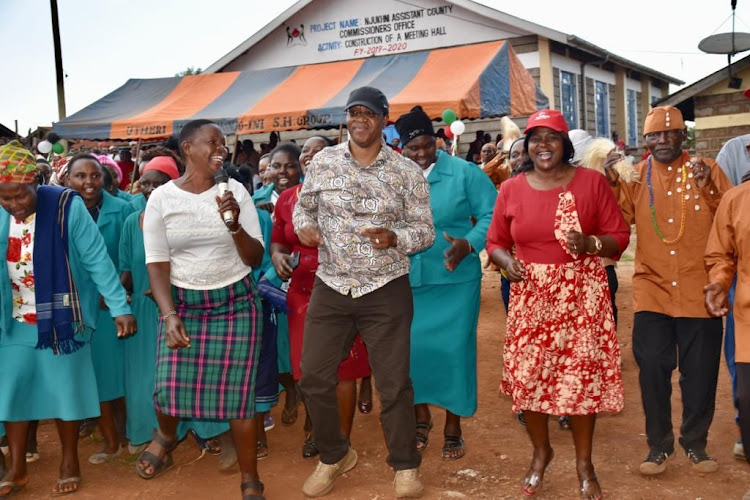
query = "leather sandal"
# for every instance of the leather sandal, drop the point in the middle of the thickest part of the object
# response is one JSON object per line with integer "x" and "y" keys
{"x": 63, "y": 482}
{"x": 159, "y": 464}
{"x": 254, "y": 484}
{"x": 423, "y": 434}
{"x": 533, "y": 481}
{"x": 453, "y": 448}
{"x": 15, "y": 487}
{"x": 262, "y": 450}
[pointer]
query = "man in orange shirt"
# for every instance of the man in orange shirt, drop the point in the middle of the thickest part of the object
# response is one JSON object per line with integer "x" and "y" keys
{"x": 672, "y": 205}
{"x": 727, "y": 253}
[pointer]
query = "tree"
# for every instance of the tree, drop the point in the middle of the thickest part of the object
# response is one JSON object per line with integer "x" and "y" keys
{"x": 189, "y": 71}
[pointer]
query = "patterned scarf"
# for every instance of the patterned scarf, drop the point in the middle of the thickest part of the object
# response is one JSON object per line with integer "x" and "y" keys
{"x": 58, "y": 309}
{"x": 17, "y": 164}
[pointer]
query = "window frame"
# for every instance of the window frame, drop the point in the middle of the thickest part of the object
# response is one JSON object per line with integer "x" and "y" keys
{"x": 606, "y": 130}
{"x": 573, "y": 122}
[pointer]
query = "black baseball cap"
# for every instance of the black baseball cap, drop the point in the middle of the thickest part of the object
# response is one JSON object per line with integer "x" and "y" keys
{"x": 369, "y": 97}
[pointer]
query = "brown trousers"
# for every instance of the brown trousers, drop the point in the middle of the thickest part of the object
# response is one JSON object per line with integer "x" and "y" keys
{"x": 383, "y": 319}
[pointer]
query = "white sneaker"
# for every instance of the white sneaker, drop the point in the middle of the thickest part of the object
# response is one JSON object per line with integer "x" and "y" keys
{"x": 739, "y": 450}
{"x": 321, "y": 480}
{"x": 407, "y": 484}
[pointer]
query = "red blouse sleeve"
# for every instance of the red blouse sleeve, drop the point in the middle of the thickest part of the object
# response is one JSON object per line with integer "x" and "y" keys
{"x": 498, "y": 235}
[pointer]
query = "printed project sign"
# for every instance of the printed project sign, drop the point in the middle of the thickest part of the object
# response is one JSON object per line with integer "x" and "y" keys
{"x": 335, "y": 31}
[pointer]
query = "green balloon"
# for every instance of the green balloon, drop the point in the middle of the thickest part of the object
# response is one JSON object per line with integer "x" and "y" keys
{"x": 58, "y": 148}
{"x": 449, "y": 116}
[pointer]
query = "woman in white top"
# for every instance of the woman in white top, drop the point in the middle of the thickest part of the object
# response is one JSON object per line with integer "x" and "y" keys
{"x": 209, "y": 332}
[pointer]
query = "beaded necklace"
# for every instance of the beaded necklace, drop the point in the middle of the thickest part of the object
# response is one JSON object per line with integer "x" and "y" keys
{"x": 683, "y": 199}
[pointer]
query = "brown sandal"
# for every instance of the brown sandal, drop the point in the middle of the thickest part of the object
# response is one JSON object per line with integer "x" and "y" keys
{"x": 423, "y": 435}
{"x": 159, "y": 464}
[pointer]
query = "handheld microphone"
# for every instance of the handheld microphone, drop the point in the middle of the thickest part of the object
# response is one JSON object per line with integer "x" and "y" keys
{"x": 222, "y": 181}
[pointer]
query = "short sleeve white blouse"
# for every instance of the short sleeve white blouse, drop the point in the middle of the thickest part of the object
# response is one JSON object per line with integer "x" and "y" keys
{"x": 186, "y": 230}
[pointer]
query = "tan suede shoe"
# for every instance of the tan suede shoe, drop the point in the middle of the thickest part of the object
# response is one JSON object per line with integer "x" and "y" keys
{"x": 407, "y": 484}
{"x": 321, "y": 480}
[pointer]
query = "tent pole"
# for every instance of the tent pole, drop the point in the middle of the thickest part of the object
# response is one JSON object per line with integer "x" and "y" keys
{"x": 135, "y": 168}
{"x": 234, "y": 152}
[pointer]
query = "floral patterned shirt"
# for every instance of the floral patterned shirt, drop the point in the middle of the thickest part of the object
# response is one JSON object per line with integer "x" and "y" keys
{"x": 340, "y": 197}
{"x": 21, "y": 268}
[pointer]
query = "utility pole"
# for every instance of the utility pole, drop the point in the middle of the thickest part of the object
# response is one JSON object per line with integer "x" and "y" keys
{"x": 58, "y": 61}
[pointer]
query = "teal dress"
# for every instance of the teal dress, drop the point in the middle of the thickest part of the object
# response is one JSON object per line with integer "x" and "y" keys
{"x": 266, "y": 386}
{"x": 36, "y": 384}
{"x": 267, "y": 271}
{"x": 446, "y": 304}
{"x": 138, "y": 201}
{"x": 122, "y": 195}
{"x": 263, "y": 195}
{"x": 106, "y": 348}
{"x": 140, "y": 349}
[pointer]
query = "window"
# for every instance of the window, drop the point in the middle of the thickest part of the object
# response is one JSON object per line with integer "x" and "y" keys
{"x": 569, "y": 98}
{"x": 601, "y": 100}
{"x": 632, "y": 120}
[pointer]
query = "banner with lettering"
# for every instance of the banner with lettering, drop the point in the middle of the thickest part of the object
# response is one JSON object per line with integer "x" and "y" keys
{"x": 491, "y": 82}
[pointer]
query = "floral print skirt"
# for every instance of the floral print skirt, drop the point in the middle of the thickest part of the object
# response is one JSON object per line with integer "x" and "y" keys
{"x": 561, "y": 351}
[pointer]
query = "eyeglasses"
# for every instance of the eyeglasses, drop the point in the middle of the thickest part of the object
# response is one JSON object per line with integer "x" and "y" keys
{"x": 671, "y": 134}
{"x": 362, "y": 114}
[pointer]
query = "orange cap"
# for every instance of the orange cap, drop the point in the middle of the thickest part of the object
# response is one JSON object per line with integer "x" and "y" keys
{"x": 663, "y": 118}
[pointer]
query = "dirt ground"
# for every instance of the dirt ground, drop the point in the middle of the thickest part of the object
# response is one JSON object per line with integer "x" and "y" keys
{"x": 498, "y": 450}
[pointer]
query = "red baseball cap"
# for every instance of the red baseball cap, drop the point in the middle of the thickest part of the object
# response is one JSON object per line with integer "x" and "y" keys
{"x": 550, "y": 118}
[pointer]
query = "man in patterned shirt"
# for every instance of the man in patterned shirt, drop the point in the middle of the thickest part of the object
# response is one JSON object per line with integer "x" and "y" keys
{"x": 367, "y": 208}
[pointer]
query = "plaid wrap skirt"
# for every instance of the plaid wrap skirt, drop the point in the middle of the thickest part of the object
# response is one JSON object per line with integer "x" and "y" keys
{"x": 215, "y": 377}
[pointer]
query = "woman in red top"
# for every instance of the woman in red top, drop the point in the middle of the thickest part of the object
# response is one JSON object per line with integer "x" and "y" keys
{"x": 284, "y": 243}
{"x": 561, "y": 352}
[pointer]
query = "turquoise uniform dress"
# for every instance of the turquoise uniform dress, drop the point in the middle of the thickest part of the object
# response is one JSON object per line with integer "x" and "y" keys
{"x": 446, "y": 304}
{"x": 37, "y": 384}
{"x": 122, "y": 195}
{"x": 138, "y": 201}
{"x": 267, "y": 271}
{"x": 106, "y": 349}
{"x": 268, "y": 370}
{"x": 263, "y": 195}
{"x": 140, "y": 349}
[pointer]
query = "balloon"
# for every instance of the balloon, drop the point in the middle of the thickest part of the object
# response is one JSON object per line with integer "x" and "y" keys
{"x": 53, "y": 137}
{"x": 448, "y": 132}
{"x": 64, "y": 145}
{"x": 449, "y": 116}
{"x": 458, "y": 127}
{"x": 58, "y": 148}
{"x": 44, "y": 147}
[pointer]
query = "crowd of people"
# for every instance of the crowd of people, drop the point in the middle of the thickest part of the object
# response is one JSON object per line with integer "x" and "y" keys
{"x": 182, "y": 302}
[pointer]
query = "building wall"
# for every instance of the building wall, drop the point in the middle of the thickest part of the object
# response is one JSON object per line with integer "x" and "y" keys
{"x": 718, "y": 118}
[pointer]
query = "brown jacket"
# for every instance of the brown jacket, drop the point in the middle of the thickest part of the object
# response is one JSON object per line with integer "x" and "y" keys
{"x": 669, "y": 278}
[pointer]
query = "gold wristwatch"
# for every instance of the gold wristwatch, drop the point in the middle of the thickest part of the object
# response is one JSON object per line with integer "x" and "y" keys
{"x": 597, "y": 246}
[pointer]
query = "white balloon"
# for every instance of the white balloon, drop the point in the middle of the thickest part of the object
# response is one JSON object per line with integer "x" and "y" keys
{"x": 458, "y": 127}
{"x": 44, "y": 147}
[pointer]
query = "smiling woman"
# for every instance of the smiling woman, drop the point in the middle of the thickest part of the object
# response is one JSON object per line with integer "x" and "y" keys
{"x": 200, "y": 274}
{"x": 561, "y": 353}
{"x": 285, "y": 168}
{"x": 52, "y": 248}
{"x": 85, "y": 175}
